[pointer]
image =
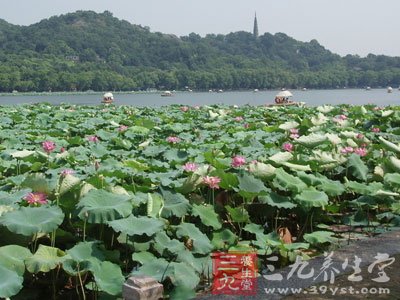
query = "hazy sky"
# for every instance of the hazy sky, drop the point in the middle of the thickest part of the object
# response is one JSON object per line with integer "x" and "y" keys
{"x": 342, "y": 26}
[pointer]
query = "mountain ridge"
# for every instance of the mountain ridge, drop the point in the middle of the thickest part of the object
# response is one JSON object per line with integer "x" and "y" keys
{"x": 73, "y": 50}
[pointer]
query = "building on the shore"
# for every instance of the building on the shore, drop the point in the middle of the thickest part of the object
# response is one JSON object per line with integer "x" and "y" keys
{"x": 255, "y": 27}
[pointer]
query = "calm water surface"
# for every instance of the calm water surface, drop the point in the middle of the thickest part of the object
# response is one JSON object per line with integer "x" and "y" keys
{"x": 311, "y": 97}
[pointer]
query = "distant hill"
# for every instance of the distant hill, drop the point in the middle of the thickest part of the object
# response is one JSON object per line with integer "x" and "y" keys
{"x": 87, "y": 50}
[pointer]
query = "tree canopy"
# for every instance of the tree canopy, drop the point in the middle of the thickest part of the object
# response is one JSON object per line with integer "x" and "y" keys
{"x": 87, "y": 50}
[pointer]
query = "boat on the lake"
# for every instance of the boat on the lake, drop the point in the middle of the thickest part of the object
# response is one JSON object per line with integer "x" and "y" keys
{"x": 108, "y": 98}
{"x": 283, "y": 98}
{"x": 389, "y": 89}
{"x": 167, "y": 94}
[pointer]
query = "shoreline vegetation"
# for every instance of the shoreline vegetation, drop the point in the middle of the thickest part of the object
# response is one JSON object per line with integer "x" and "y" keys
{"x": 90, "y": 195}
{"x": 95, "y": 51}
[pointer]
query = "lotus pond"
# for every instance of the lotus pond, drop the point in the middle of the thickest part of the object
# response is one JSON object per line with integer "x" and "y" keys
{"x": 91, "y": 194}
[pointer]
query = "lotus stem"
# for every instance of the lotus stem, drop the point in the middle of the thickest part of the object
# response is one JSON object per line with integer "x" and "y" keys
{"x": 84, "y": 229}
{"x": 80, "y": 280}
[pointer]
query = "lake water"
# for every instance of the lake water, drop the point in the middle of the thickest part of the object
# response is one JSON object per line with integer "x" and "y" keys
{"x": 311, "y": 97}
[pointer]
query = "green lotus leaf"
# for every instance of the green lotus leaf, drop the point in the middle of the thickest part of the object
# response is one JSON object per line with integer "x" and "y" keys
{"x": 184, "y": 275}
{"x": 320, "y": 237}
{"x": 254, "y": 228}
{"x": 108, "y": 277}
{"x": 289, "y": 125}
{"x": 158, "y": 268}
{"x": 294, "y": 246}
{"x": 228, "y": 180}
{"x": 143, "y": 257}
{"x": 281, "y": 157}
{"x": 22, "y": 153}
{"x": 136, "y": 165}
{"x": 100, "y": 206}
{"x": 392, "y": 179}
{"x": 10, "y": 283}
{"x": 207, "y": 215}
{"x": 249, "y": 187}
{"x": 39, "y": 183}
{"x": 12, "y": 257}
{"x": 137, "y": 225}
{"x": 357, "y": 167}
{"x": 395, "y": 163}
{"x": 10, "y": 199}
{"x": 73, "y": 267}
{"x": 68, "y": 182}
{"x": 5, "y": 209}
{"x": 331, "y": 188}
{"x": 238, "y": 214}
{"x": 311, "y": 140}
{"x": 266, "y": 242}
{"x": 175, "y": 204}
{"x": 288, "y": 182}
{"x": 45, "y": 259}
{"x": 309, "y": 198}
{"x": 86, "y": 251}
{"x": 296, "y": 167}
{"x": 389, "y": 145}
{"x": 277, "y": 200}
{"x": 30, "y": 220}
{"x": 182, "y": 293}
{"x": 363, "y": 189}
{"x": 155, "y": 204}
{"x": 163, "y": 242}
{"x": 261, "y": 170}
{"x": 201, "y": 243}
{"x": 223, "y": 239}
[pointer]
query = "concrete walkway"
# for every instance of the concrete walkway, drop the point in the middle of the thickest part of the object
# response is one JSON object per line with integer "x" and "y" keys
{"x": 318, "y": 287}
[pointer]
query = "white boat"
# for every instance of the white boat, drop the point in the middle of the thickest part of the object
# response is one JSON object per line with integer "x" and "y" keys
{"x": 283, "y": 99}
{"x": 255, "y": 90}
{"x": 108, "y": 98}
{"x": 167, "y": 94}
{"x": 389, "y": 89}
{"x": 368, "y": 88}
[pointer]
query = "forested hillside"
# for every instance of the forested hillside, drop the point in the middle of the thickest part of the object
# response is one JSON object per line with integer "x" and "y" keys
{"x": 86, "y": 50}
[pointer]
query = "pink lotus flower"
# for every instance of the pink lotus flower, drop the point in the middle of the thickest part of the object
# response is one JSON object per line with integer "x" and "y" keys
{"x": 360, "y": 136}
{"x": 173, "y": 139}
{"x": 377, "y": 108}
{"x": 212, "y": 181}
{"x": 294, "y": 133}
{"x": 190, "y": 167}
{"x": 66, "y": 172}
{"x": 347, "y": 150}
{"x": 342, "y": 117}
{"x": 197, "y": 107}
{"x": 48, "y": 146}
{"x": 123, "y": 128}
{"x": 376, "y": 129}
{"x": 184, "y": 108}
{"x": 93, "y": 138}
{"x": 62, "y": 150}
{"x": 238, "y": 161}
{"x": 246, "y": 125}
{"x": 288, "y": 147}
{"x": 361, "y": 151}
{"x": 239, "y": 119}
{"x": 36, "y": 198}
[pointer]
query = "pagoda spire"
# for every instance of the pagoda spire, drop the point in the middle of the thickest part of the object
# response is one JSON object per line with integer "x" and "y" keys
{"x": 255, "y": 28}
